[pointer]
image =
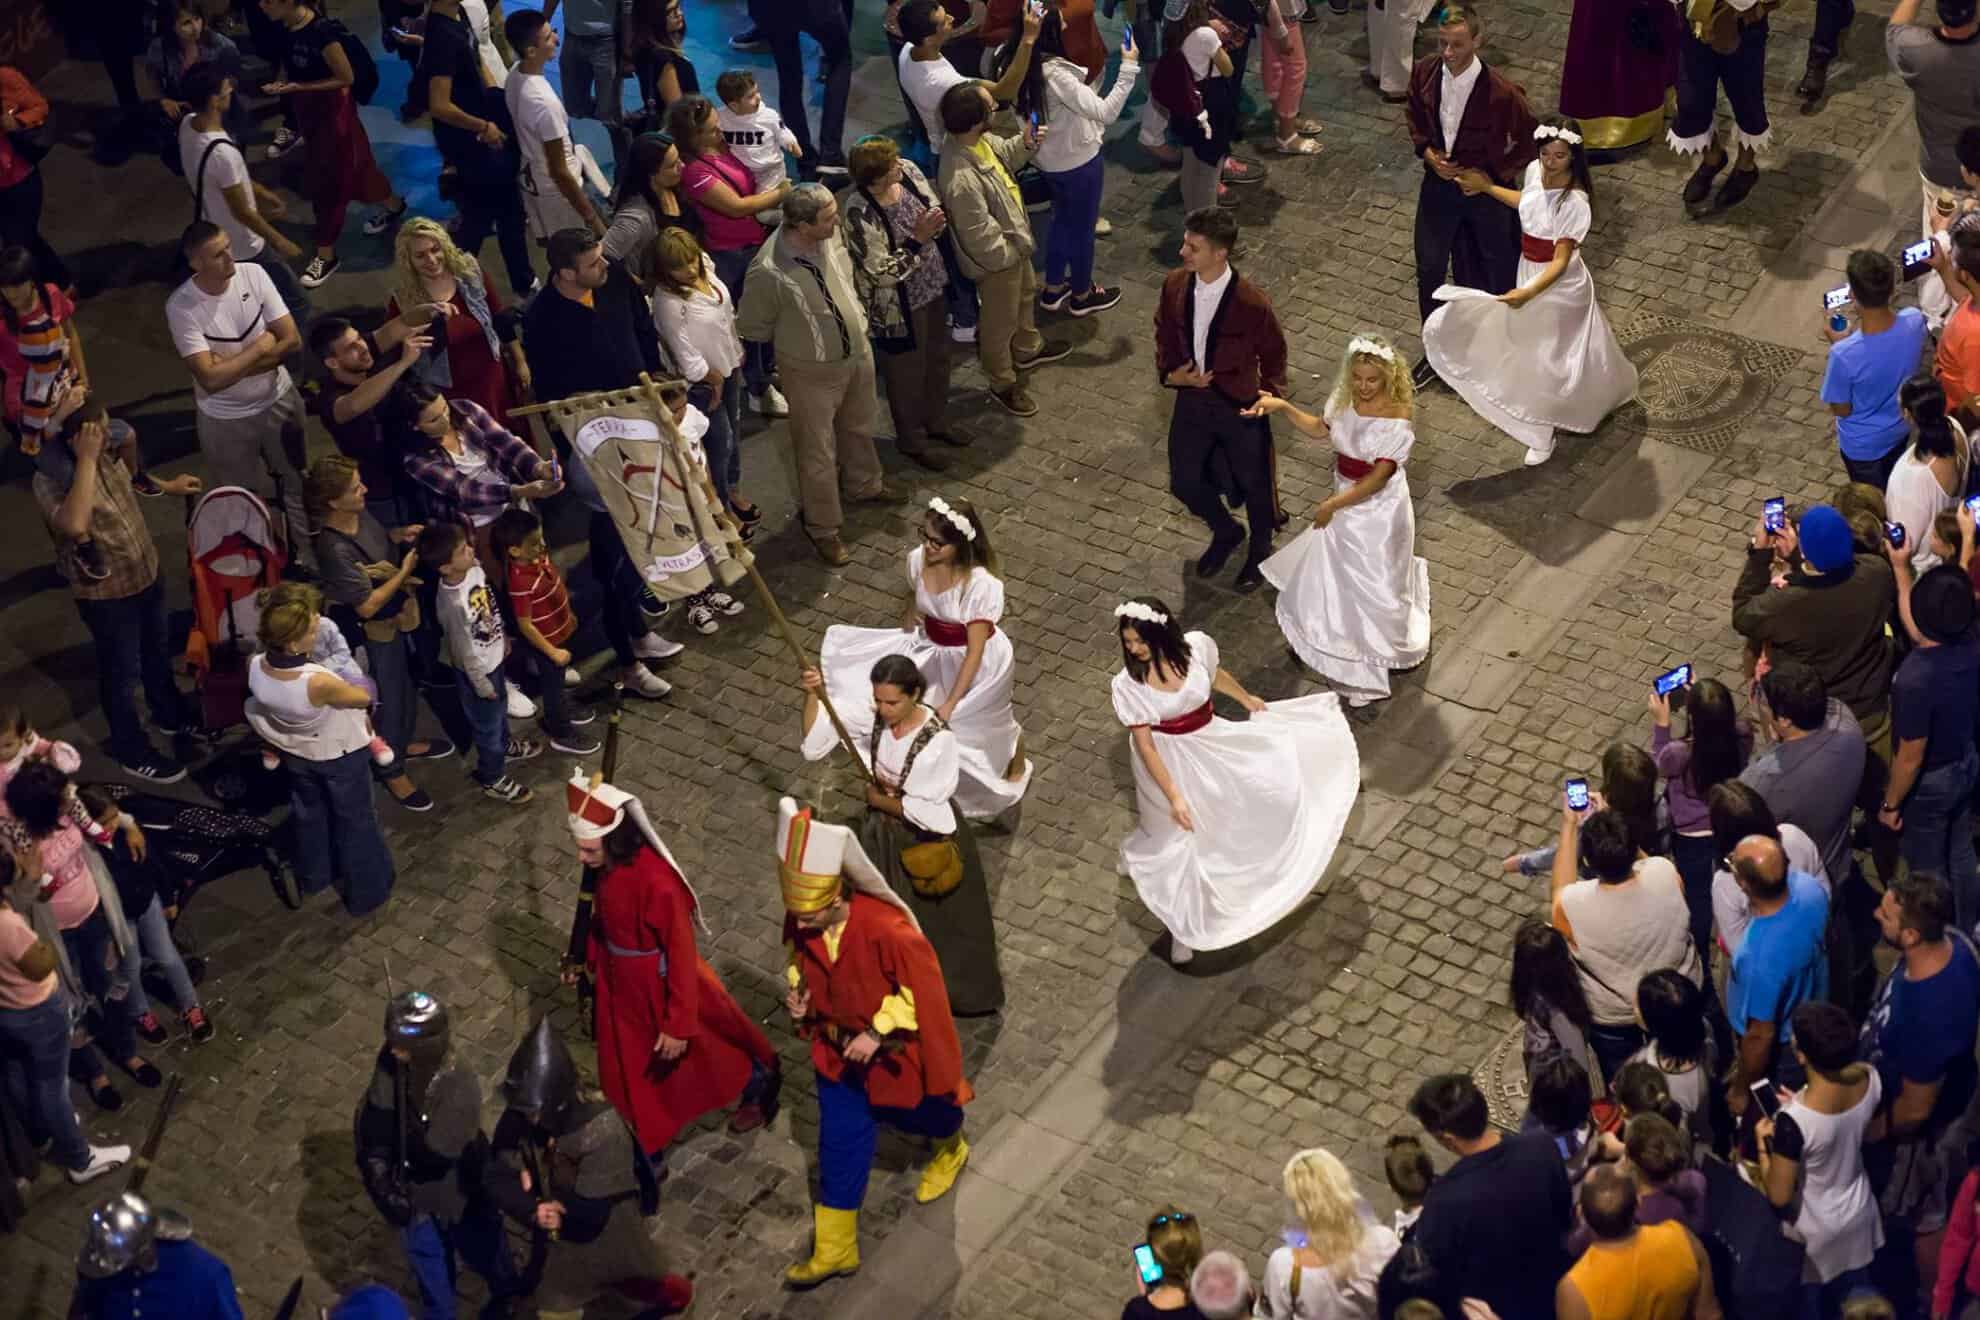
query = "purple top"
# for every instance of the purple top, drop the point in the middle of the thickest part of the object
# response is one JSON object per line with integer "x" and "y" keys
{"x": 1689, "y": 814}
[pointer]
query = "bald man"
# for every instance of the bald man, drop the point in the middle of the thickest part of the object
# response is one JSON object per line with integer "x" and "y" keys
{"x": 1655, "y": 1270}
{"x": 1780, "y": 965}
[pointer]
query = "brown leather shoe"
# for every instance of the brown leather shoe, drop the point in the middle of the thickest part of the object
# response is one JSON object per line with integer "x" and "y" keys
{"x": 881, "y": 494}
{"x": 831, "y": 549}
{"x": 928, "y": 458}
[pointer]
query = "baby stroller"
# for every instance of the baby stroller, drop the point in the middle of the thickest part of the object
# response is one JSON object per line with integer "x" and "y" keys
{"x": 199, "y": 845}
{"x": 235, "y": 552}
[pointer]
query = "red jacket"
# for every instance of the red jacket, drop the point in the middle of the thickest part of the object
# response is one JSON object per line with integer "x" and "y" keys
{"x": 30, "y": 109}
{"x": 1247, "y": 349}
{"x": 1496, "y": 133}
{"x": 1959, "y": 1263}
{"x": 1084, "y": 44}
{"x": 880, "y": 954}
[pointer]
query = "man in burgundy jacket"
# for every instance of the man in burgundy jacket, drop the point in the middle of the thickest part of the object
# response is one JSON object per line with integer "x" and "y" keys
{"x": 1462, "y": 116}
{"x": 1217, "y": 344}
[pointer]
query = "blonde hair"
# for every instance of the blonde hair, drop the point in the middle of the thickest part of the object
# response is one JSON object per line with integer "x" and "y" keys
{"x": 411, "y": 289}
{"x": 675, "y": 247}
{"x": 1322, "y": 1193}
{"x": 1401, "y": 391}
{"x": 871, "y": 158}
{"x": 288, "y": 617}
{"x": 328, "y": 477}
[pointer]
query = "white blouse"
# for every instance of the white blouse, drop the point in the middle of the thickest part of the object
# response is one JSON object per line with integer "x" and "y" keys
{"x": 978, "y": 598}
{"x": 937, "y": 771}
{"x": 699, "y": 328}
{"x": 1137, "y": 703}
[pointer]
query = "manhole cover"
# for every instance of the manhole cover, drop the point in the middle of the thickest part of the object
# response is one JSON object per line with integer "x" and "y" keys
{"x": 1696, "y": 386}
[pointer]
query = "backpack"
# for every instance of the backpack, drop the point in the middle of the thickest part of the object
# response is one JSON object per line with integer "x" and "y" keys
{"x": 364, "y": 69}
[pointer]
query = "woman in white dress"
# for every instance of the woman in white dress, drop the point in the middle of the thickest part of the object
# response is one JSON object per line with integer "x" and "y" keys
{"x": 1541, "y": 357}
{"x": 951, "y": 634}
{"x": 1930, "y": 476}
{"x": 1238, "y": 820}
{"x": 1354, "y": 599}
{"x": 913, "y": 829}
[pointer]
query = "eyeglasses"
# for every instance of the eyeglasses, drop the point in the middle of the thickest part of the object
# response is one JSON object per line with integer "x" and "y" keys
{"x": 1179, "y": 1217}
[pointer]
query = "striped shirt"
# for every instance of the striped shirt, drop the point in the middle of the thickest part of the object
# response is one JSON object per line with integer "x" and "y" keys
{"x": 538, "y": 594}
{"x": 36, "y": 357}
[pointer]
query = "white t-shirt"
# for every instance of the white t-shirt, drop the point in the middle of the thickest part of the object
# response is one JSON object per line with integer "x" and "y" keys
{"x": 227, "y": 325}
{"x": 492, "y": 67}
{"x": 225, "y": 168}
{"x": 758, "y": 140}
{"x": 539, "y": 118}
{"x": 925, "y": 81}
{"x": 1200, "y": 49}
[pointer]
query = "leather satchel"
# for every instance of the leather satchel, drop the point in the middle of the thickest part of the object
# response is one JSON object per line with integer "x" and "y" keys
{"x": 934, "y": 868}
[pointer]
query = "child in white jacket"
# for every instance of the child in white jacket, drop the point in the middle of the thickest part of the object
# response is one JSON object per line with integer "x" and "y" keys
{"x": 754, "y": 131}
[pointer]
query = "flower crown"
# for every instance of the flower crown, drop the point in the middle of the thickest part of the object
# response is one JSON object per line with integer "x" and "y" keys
{"x": 1567, "y": 135}
{"x": 1359, "y": 345}
{"x": 955, "y": 520}
{"x": 1140, "y": 613}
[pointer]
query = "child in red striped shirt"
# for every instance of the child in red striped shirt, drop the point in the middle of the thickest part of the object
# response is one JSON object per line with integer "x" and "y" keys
{"x": 540, "y": 606}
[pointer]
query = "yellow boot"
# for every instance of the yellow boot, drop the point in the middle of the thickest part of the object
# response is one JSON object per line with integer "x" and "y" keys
{"x": 940, "y": 1175}
{"x": 834, "y": 1248}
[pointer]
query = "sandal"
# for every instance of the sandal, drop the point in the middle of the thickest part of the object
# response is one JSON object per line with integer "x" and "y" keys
{"x": 1295, "y": 146}
{"x": 1307, "y": 125}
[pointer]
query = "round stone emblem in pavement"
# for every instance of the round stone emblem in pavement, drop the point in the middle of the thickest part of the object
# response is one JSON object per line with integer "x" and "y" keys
{"x": 1696, "y": 386}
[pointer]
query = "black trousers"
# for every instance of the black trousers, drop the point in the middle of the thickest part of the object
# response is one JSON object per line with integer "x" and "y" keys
{"x": 1217, "y": 457}
{"x": 827, "y": 22}
{"x": 1475, "y": 239}
{"x": 20, "y": 226}
{"x": 1832, "y": 20}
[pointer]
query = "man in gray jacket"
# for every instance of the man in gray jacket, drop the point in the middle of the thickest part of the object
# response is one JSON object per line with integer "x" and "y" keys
{"x": 992, "y": 237}
{"x": 800, "y": 298}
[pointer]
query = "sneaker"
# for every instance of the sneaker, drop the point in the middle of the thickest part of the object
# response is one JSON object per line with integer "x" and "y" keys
{"x": 155, "y": 768}
{"x": 770, "y": 403}
{"x": 520, "y": 707}
{"x": 655, "y": 647}
{"x": 1242, "y": 171}
{"x": 522, "y": 749}
{"x": 1096, "y": 299}
{"x": 382, "y": 753}
{"x": 574, "y": 743}
{"x": 507, "y": 790}
{"x": 722, "y": 602}
{"x": 102, "y": 1159}
{"x": 419, "y": 800}
{"x": 750, "y": 38}
{"x": 577, "y": 719}
{"x": 1227, "y": 197}
{"x": 317, "y": 271}
{"x": 651, "y": 605}
{"x": 88, "y": 559}
{"x": 701, "y": 618}
{"x": 151, "y": 1028}
{"x": 380, "y": 221}
{"x": 1049, "y": 351}
{"x": 572, "y": 677}
{"x": 285, "y": 141}
{"x": 1016, "y": 402}
{"x": 437, "y": 749}
{"x": 643, "y": 682}
{"x": 1053, "y": 300}
{"x": 195, "y": 1019}
{"x": 142, "y": 483}
{"x": 1103, "y": 228}
{"x": 962, "y": 334}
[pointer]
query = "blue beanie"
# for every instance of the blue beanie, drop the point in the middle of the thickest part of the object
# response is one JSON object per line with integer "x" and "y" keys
{"x": 371, "y": 1302}
{"x": 1826, "y": 543}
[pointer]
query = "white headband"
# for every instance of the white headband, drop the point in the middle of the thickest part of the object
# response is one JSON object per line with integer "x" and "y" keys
{"x": 1139, "y": 613}
{"x": 1566, "y": 135}
{"x": 956, "y": 520}
{"x": 1371, "y": 348}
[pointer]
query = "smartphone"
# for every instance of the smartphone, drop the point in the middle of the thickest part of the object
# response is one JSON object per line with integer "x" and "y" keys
{"x": 1577, "y": 794}
{"x": 1127, "y": 41}
{"x": 1917, "y": 258}
{"x": 1763, "y": 1096}
{"x": 1034, "y": 123}
{"x": 1675, "y": 680}
{"x": 1973, "y": 505}
{"x": 1774, "y": 513}
{"x": 1836, "y": 299}
{"x": 1894, "y": 533}
{"x": 1146, "y": 1265}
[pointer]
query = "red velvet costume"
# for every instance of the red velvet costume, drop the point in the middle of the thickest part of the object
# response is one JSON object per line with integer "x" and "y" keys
{"x": 651, "y": 980}
{"x": 881, "y": 953}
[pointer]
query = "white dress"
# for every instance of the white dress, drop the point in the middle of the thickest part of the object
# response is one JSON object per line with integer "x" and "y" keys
{"x": 1269, "y": 796}
{"x": 1354, "y": 598}
{"x": 1838, "y": 1219}
{"x": 1913, "y": 497}
{"x": 1552, "y": 363}
{"x": 985, "y": 725}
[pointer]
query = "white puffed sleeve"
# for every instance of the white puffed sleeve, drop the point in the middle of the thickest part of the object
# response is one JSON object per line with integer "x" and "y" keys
{"x": 914, "y": 569}
{"x": 982, "y": 597}
{"x": 821, "y": 738}
{"x": 1386, "y": 437}
{"x": 1203, "y": 651}
{"x": 1132, "y": 705}
{"x": 1573, "y": 217}
{"x": 932, "y": 782}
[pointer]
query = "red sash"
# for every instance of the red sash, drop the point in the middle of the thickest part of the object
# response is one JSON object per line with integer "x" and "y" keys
{"x": 1536, "y": 249}
{"x": 1354, "y": 469}
{"x": 943, "y": 633}
{"x": 1189, "y": 723}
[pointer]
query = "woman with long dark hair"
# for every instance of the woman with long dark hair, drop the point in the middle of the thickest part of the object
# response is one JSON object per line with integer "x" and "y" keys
{"x": 915, "y": 829}
{"x": 1540, "y": 357}
{"x": 1194, "y": 89}
{"x": 1931, "y": 475}
{"x": 1237, "y": 819}
{"x": 648, "y": 200}
{"x": 1672, "y": 1010}
{"x": 1629, "y": 788}
{"x": 1546, "y": 993}
{"x": 1714, "y": 749}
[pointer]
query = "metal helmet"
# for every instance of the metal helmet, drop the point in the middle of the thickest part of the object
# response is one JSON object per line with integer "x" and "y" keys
{"x": 542, "y": 1078}
{"x": 122, "y": 1231}
{"x": 416, "y": 1021}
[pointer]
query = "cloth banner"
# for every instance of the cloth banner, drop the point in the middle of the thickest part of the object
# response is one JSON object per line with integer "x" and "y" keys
{"x": 654, "y": 482}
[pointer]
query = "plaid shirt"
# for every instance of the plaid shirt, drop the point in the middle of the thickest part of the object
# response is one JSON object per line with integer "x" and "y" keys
{"x": 459, "y": 497}
{"x": 116, "y": 524}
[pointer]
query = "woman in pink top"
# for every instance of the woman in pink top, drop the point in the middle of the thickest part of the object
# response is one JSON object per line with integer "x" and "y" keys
{"x": 724, "y": 195}
{"x": 56, "y": 858}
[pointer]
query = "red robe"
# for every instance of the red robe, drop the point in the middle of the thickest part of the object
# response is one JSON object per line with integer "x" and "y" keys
{"x": 880, "y": 953}
{"x": 644, "y": 905}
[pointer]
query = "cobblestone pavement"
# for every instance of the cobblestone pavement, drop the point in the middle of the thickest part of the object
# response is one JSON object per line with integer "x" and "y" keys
{"x": 1111, "y": 1084}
